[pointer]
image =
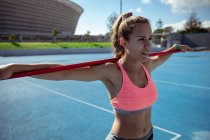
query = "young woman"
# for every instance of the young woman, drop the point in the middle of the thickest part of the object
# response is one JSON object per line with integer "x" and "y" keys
{"x": 131, "y": 89}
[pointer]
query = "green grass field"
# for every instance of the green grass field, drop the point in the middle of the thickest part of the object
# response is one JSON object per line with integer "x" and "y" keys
{"x": 49, "y": 45}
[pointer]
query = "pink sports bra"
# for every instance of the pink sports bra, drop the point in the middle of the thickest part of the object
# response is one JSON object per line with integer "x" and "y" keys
{"x": 132, "y": 98}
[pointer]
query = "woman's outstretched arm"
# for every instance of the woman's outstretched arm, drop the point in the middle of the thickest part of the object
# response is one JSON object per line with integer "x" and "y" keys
{"x": 83, "y": 74}
{"x": 158, "y": 60}
{"x": 7, "y": 70}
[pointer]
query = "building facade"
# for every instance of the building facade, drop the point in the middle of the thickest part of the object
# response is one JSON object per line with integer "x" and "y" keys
{"x": 38, "y": 17}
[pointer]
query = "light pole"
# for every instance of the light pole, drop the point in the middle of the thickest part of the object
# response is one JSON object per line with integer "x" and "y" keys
{"x": 120, "y": 6}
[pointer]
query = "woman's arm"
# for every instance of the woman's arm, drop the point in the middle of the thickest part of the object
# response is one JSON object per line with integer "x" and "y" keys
{"x": 158, "y": 60}
{"x": 82, "y": 74}
{"x": 7, "y": 70}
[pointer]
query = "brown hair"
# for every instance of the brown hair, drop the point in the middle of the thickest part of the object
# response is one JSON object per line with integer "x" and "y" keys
{"x": 123, "y": 27}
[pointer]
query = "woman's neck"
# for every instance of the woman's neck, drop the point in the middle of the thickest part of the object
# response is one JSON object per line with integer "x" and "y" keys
{"x": 130, "y": 64}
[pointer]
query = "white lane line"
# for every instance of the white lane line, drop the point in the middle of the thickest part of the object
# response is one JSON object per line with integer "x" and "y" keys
{"x": 180, "y": 84}
{"x": 168, "y": 131}
{"x": 68, "y": 97}
{"x": 176, "y": 137}
{"x": 95, "y": 106}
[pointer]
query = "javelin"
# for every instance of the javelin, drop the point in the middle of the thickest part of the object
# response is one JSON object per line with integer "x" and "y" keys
{"x": 78, "y": 65}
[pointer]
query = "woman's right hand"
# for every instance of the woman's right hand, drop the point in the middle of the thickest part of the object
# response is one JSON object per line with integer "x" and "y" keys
{"x": 6, "y": 71}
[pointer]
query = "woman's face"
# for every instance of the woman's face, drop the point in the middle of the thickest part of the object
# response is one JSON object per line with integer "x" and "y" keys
{"x": 139, "y": 44}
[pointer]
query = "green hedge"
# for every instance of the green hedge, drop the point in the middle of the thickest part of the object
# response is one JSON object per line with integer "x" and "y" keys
{"x": 49, "y": 45}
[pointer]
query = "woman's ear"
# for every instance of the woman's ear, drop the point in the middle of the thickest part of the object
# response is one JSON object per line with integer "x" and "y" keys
{"x": 122, "y": 41}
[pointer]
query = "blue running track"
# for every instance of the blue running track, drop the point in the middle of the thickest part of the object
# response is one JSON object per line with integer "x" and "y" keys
{"x": 33, "y": 109}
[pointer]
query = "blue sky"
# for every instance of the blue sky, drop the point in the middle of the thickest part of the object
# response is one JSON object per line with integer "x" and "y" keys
{"x": 172, "y": 12}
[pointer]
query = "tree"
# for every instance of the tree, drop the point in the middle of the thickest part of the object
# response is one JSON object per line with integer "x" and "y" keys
{"x": 159, "y": 24}
{"x": 55, "y": 32}
{"x": 12, "y": 38}
{"x": 87, "y": 35}
{"x": 158, "y": 31}
{"x": 168, "y": 29}
{"x": 193, "y": 25}
{"x": 110, "y": 21}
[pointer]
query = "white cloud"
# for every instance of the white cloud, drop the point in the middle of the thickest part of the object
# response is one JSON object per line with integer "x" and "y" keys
{"x": 180, "y": 25}
{"x": 139, "y": 10}
{"x": 176, "y": 26}
{"x": 145, "y": 1}
{"x": 206, "y": 23}
{"x": 180, "y": 6}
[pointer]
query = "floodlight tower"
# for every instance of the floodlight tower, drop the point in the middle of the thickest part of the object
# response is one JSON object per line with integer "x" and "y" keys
{"x": 120, "y": 6}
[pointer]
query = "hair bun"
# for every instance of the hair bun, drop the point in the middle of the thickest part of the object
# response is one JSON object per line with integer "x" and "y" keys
{"x": 126, "y": 15}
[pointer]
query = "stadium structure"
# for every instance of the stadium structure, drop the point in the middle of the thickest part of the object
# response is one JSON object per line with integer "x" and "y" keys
{"x": 38, "y": 17}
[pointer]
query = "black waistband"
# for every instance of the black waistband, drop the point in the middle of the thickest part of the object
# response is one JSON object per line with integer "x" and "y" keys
{"x": 149, "y": 136}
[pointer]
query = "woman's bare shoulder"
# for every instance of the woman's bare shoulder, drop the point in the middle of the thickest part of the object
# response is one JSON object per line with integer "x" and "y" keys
{"x": 112, "y": 70}
{"x": 111, "y": 67}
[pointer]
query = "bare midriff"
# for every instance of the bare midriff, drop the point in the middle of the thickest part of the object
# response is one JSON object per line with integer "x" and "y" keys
{"x": 132, "y": 126}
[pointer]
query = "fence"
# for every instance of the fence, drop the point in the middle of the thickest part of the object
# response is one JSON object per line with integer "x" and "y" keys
{"x": 163, "y": 39}
{"x": 194, "y": 40}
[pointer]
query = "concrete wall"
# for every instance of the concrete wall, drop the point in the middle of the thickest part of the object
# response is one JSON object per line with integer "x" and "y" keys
{"x": 53, "y": 51}
{"x": 193, "y": 40}
{"x": 60, "y": 51}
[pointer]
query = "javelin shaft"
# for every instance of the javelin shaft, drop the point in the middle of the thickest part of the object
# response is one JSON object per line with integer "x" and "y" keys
{"x": 79, "y": 65}
{"x": 60, "y": 68}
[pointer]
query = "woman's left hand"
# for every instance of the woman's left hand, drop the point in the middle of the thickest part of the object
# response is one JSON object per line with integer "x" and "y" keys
{"x": 183, "y": 48}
